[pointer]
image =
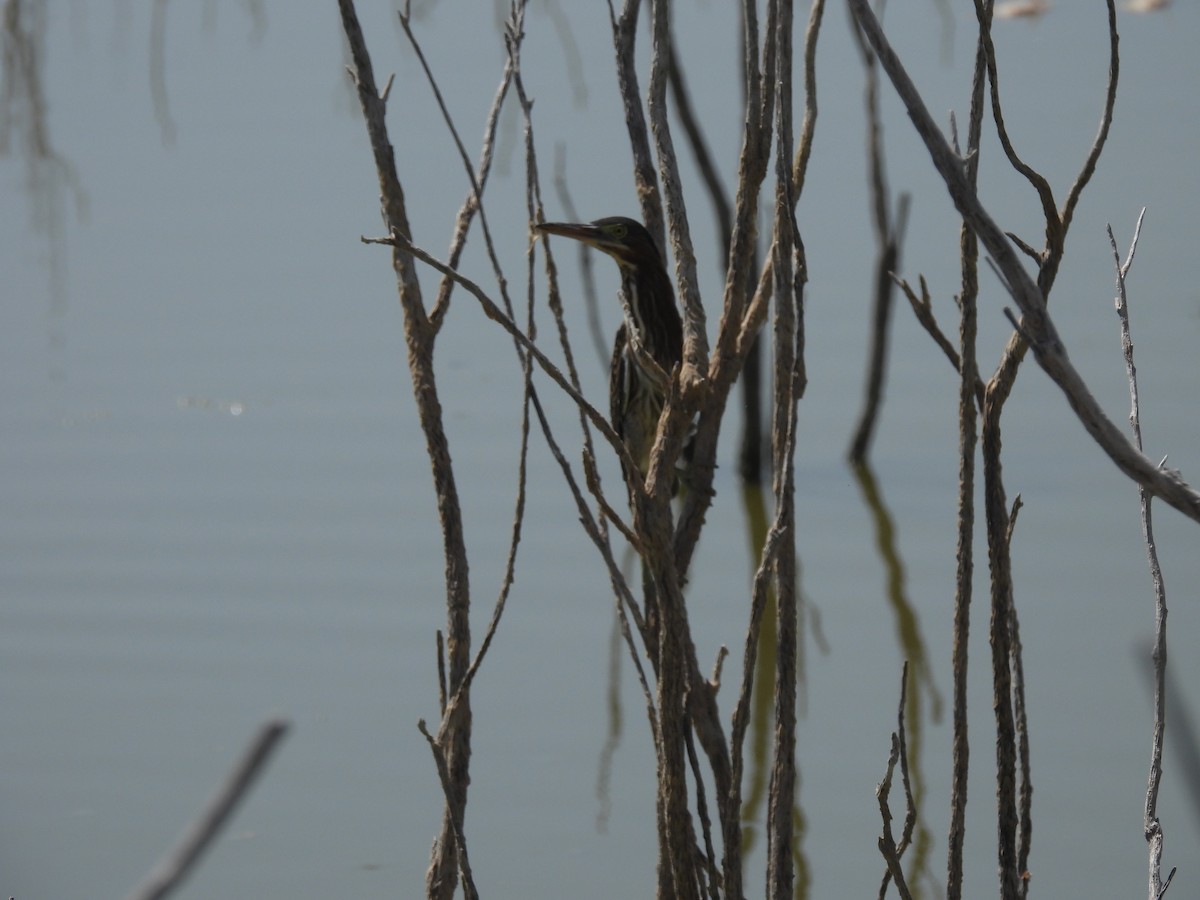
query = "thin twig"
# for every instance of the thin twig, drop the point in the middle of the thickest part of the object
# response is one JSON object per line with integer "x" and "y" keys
{"x": 678, "y": 871}
{"x": 624, "y": 29}
{"x": 586, "y": 273}
{"x": 983, "y": 12}
{"x": 1057, "y": 224}
{"x": 1024, "y": 832}
{"x": 440, "y": 642}
{"x": 760, "y": 586}
{"x": 695, "y": 336}
{"x": 922, "y": 308}
{"x": 496, "y": 314}
{"x": 173, "y": 868}
{"x": 745, "y": 301}
{"x": 705, "y": 164}
{"x": 514, "y": 33}
{"x": 1110, "y": 102}
{"x": 893, "y": 852}
{"x": 710, "y": 868}
{"x": 625, "y": 598}
{"x": 452, "y": 803}
{"x": 1024, "y": 769}
{"x": 474, "y": 202}
{"x": 1153, "y": 827}
{"x": 455, "y": 730}
{"x": 886, "y": 843}
{"x": 599, "y": 530}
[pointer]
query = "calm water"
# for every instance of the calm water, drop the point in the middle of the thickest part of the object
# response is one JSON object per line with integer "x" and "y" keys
{"x": 217, "y": 508}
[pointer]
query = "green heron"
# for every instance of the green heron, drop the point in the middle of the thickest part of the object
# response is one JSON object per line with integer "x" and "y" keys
{"x": 650, "y": 341}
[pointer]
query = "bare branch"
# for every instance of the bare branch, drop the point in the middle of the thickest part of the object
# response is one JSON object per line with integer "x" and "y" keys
{"x": 893, "y": 852}
{"x": 760, "y": 586}
{"x": 474, "y": 201}
{"x": 705, "y": 164}
{"x": 513, "y": 35}
{"x": 790, "y": 275}
{"x": 887, "y": 844}
{"x": 708, "y": 866}
{"x": 971, "y": 396}
{"x": 1021, "y": 723}
{"x": 455, "y": 731}
{"x": 586, "y": 275}
{"x": 453, "y": 802}
{"x": 695, "y": 336}
{"x": 173, "y": 868}
{"x": 743, "y": 318}
{"x": 493, "y": 312}
{"x": 1047, "y": 345}
{"x": 1110, "y": 102}
{"x": 624, "y": 28}
{"x": 1049, "y": 259}
{"x": 625, "y": 600}
{"x": 1024, "y": 247}
{"x": 983, "y": 12}
{"x": 971, "y": 401}
{"x": 1153, "y": 827}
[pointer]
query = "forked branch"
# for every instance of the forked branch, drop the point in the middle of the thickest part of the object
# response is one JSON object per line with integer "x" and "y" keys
{"x": 1047, "y": 345}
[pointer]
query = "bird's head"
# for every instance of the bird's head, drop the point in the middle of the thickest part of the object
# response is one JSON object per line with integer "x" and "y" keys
{"x": 625, "y": 240}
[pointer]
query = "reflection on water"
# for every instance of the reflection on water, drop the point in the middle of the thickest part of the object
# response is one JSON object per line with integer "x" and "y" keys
{"x": 912, "y": 645}
{"x": 51, "y": 182}
{"x": 762, "y": 718}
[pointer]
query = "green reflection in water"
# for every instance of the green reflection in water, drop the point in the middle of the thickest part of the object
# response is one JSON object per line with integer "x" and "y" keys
{"x": 912, "y": 648}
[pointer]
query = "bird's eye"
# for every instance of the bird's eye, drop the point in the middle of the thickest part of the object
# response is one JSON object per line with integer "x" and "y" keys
{"x": 617, "y": 230}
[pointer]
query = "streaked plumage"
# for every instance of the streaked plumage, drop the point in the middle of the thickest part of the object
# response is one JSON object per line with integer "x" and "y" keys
{"x": 652, "y": 330}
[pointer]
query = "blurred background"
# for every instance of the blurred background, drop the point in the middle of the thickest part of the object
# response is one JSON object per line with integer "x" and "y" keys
{"x": 215, "y": 504}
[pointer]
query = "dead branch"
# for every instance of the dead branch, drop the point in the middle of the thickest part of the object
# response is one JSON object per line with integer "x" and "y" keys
{"x": 790, "y": 276}
{"x": 587, "y": 278}
{"x": 174, "y": 868}
{"x": 695, "y": 336}
{"x": 744, "y": 311}
{"x": 473, "y": 204}
{"x": 887, "y": 843}
{"x": 457, "y": 803}
{"x": 454, "y": 732}
{"x": 1153, "y": 827}
{"x": 624, "y": 28}
{"x": 497, "y": 315}
{"x": 971, "y": 395}
{"x": 1047, "y": 345}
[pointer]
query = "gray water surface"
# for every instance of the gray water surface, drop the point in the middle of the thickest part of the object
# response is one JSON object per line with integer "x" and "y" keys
{"x": 216, "y": 504}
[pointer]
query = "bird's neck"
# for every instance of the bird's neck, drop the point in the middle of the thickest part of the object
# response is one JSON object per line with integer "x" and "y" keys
{"x": 651, "y": 317}
{"x": 634, "y": 304}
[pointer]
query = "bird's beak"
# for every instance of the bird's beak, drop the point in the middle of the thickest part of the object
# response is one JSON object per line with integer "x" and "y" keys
{"x": 589, "y": 234}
